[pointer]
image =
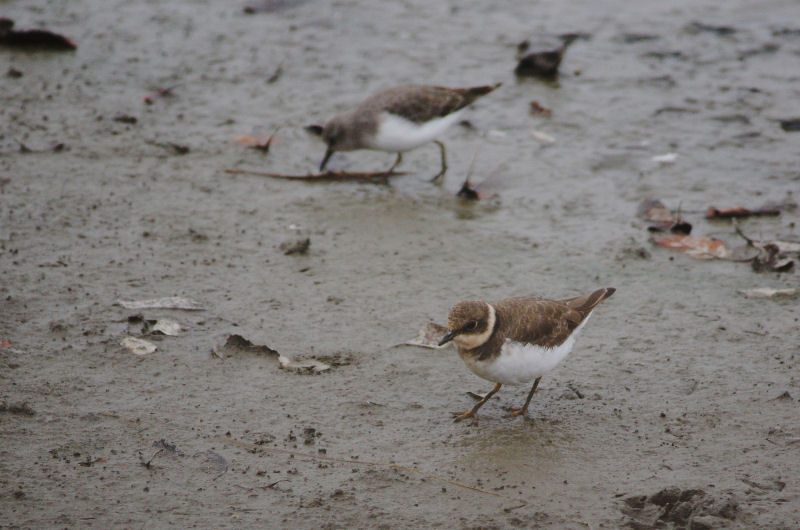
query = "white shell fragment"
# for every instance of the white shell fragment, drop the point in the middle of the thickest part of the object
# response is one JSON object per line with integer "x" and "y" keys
{"x": 138, "y": 346}
{"x": 543, "y": 137}
{"x": 306, "y": 366}
{"x": 668, "y": 158}
{"x": 768, "y": 292}
{"x": 167, "y": 327}
{"x": 170, "y": 302}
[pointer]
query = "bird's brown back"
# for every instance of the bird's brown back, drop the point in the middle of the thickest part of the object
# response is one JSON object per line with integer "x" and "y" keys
{"x": 419, "y": 103}
{"x": 546, "y": 323}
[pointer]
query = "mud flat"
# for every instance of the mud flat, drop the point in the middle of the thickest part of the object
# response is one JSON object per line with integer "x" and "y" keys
{"x": 677, "y": 408}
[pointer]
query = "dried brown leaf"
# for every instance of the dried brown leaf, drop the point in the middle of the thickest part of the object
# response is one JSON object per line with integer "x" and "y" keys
{"x": 696, "y": 247}
{"x": 739, "y": 211}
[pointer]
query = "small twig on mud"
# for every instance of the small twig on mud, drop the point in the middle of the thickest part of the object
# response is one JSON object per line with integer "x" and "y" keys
{"x": 149, "y": 462}
{"x": 368, "y": 176}
{"x": 750, "y": 242}
{"x": 264, "y": 487}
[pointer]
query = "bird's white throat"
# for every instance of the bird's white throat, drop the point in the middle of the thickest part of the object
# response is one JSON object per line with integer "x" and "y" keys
{"x": 470, "y": 341}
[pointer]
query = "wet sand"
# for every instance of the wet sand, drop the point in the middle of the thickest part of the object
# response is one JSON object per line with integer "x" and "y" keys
{"x": 678, "y": 381}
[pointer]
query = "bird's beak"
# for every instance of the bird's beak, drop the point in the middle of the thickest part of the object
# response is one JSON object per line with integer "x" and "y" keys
{"x": 328, "y": 154}
{"x": 447, "y": 338}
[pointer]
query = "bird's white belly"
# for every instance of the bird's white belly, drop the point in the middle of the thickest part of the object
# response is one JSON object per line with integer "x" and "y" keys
{"x": 520, "y": 363}
{"x": 396, "y": 134}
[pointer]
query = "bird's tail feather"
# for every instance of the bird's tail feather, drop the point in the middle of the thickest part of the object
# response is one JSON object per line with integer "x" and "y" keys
{"x": 585, "y": 303}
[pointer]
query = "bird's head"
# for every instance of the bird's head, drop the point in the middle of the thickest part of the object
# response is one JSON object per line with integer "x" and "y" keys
{"x": 334, "y": 134}
{"x": 470, "y": 324}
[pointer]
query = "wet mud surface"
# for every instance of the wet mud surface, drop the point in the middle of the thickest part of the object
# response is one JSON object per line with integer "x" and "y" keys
{"x": 677, "y": 408}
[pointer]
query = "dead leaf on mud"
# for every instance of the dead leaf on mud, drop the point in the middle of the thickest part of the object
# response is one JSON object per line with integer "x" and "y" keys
{"x": 538, "y": 110}
{"x": 768, "y": 292}
{"x": 295, "y": 246}
{"x": 790, "y": 125}
{"x": 740, "y": 211}
{"x": 696, "y": 247}
{"x": 771, "y": 259}
{"x": 429, "y": 337}
{"x": 542, "y": 64}
{"x": 773, "y": 256}
{"x": 237, "y": 344}
{"x": 663, "y": 219}
{"x": 784, "y": 247}
{"x": 170, "y": 302}
{"x": 308, "y": 366}
{"x": 259, "y": 142}
{"x": 32, "y": 39}
{"x": 138, "y": 346}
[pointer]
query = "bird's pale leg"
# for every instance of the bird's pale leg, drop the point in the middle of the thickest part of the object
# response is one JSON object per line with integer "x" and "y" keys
{"x": 524, "y": 409}
{"x": 444, "y": 161}
{"x": 474, "y": 412}
{"x": 396, "y": 163}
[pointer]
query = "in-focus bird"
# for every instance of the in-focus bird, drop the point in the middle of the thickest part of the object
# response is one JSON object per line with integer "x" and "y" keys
{"x": 517, "y": 340}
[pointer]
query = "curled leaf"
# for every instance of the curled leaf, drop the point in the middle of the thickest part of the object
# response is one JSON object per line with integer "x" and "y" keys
{"x": 771, "y": 259}
{"x": 260, "y": 142}
{"x": 740, "y": 211}
{"x": 696, "y": 247}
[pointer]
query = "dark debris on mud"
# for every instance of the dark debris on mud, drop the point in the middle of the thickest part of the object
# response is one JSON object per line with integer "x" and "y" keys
{"x": 673, "y": 507}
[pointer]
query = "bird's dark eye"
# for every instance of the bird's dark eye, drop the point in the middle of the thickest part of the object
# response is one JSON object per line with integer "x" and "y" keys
{"x": 472, "y": 325}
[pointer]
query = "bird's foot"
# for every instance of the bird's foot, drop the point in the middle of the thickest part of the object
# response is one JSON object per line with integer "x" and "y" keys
{"x": 458, "y": 416}
{"x": 519, "y": 412}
